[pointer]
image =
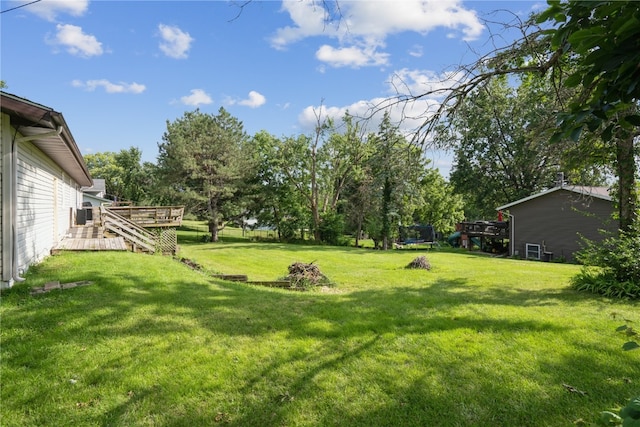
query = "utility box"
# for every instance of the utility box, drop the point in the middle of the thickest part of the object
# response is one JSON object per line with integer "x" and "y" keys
{"x": 81, "y": 217}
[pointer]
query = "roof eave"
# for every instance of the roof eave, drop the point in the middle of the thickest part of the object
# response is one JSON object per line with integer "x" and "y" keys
{"x": 31, "y": 118}
{"x": 551, "y": 190}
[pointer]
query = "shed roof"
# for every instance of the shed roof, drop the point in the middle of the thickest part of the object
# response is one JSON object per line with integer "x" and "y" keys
{"x": 597, "y": 192}
{"x": 39, "y": 122}
{"x": 99, "y": 186}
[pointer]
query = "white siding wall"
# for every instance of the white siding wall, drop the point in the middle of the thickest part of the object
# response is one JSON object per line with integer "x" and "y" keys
{"x": 46, "y": 198}
{"x": 1, "y": 219}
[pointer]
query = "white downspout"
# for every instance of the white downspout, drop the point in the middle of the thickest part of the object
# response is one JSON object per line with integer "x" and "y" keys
{"x": 14, "y": 194}
{"x": 512, "y": 234}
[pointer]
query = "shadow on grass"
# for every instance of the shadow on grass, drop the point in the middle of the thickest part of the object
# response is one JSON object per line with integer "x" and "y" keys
{"x": 324, "y": 336}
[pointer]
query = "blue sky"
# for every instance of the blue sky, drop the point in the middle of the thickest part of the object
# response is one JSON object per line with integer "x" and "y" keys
{"x": 118, "y": 70}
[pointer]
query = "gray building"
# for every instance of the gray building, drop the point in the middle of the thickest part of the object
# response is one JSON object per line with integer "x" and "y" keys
{"x": 550, "y": 224}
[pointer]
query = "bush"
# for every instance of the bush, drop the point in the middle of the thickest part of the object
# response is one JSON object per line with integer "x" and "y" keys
{"x": 617, "y": 272}
{"x": 331, "y": 228}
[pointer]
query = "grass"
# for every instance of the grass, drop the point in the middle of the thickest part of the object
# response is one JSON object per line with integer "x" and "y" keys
{"x": 476, "y": 341}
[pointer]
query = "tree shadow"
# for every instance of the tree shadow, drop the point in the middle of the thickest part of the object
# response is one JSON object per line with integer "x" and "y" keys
{"x": 342, "y": 330}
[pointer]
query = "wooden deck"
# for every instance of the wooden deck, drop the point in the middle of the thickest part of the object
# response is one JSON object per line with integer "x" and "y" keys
{"x": 97, "y": 244}
{"x": 90, "y": 239}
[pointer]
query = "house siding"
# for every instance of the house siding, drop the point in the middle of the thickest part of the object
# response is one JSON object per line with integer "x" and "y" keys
{"x": 557, "y": 220}
{"x": 5, "y": 122}
{"x": 46, "y": 199}
{"x": 5, "y": 193}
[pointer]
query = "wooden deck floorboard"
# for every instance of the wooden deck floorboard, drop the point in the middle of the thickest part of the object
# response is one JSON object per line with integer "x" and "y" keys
{"x": 92, "y": 244}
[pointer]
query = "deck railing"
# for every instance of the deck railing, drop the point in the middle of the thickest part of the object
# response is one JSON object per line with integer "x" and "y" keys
{"x": 151, "y": 216}
{"x": 133, "y": 233}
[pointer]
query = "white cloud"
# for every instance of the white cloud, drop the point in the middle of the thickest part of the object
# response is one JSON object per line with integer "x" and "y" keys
{"x": 353, "y": 56}
{"x": 367, "y": 24}
{"x": 175, "y": 42}
{"x": 309, "y": 19}
{"x": 121, "y": 87}
{"x": 418, "y": 82}
{"x": 255, "y": 100}
{"x": 76, "y": 41}
{"x": 197, "y": 97}
{"x": 49, "y": 9}
{"x": 416, "y": 51}
{"x": 409, "y": 114}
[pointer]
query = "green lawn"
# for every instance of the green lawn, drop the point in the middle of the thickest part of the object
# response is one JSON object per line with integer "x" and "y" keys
{"x": 476, "y": 341}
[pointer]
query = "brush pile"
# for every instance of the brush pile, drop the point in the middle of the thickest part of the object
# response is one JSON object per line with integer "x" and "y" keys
{"x": 420, "y": 262}
{"x": 306, "y": 275}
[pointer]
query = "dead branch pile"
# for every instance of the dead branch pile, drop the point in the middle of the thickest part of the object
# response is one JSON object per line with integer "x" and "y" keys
{"x": 303, "y": 275}
{"x": 420, "y": 262}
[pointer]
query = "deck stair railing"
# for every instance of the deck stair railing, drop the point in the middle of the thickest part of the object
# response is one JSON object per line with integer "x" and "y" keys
{"x": 138, "y": 237}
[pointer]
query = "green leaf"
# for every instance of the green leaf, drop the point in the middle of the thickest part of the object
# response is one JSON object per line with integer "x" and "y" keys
{"x": 621, "y": 328}
{"x": 552, "y": 12}
{"x": 607, "y": 134}
{"x": 575, "y": 133}
{"x": 586, "y": 38}
{"x": 573, "y": 80}
{"x": 630, "y": 25}
{"x": 630, "y": 345}
{"x": 633, "y": 119}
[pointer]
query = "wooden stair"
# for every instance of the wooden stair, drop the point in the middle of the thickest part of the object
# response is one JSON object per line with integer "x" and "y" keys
{"x": 139, "y": 239}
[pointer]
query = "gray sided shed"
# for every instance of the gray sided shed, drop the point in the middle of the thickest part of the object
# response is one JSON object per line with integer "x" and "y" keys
{"x": 550, "y": 224}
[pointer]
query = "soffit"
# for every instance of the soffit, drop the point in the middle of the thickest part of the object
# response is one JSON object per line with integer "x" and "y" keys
{"x": 39, "y": 122}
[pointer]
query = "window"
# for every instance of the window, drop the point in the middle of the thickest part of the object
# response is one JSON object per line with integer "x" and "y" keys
{"x": 533, "y": 251}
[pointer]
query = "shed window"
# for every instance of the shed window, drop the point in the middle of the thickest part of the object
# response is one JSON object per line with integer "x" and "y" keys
{"x": 533, "y": 251}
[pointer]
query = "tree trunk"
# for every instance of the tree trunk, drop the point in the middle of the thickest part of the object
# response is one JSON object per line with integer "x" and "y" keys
{"x": 358, "y": 232}
{"x": 213, "y": 230}
{"x": 315, "y": 211}
{"x": 386, "y": 211}
{"x": 627, "y": 191}
{"x": 213, "y": 218}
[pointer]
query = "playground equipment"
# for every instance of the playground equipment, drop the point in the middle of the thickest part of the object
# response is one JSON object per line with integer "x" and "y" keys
{"x": 416, "y": 234}
{"x": 489, "y": 236}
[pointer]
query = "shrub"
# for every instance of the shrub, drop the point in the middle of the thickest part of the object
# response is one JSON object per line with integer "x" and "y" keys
{"x": 331, "y": 228}
{"x": 617, "y": 272}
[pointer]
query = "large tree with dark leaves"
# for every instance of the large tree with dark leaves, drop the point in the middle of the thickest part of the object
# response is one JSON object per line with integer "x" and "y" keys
{"x": 201, "y": 164}
{"x": 500, "y": 137}
{"x": 604, "y": 39}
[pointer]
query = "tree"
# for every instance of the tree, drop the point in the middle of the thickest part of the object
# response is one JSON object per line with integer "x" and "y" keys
{"x": 605, "y": 38}
{"x": 126, "y": 179}
{"x": 201, "y": 164}
{"x": 594, "y": 48}
{"x": 396, "y": 168}
{"x": 344, "y": 154}
{"x": 440, "y": 206}
{"x": 500, "y": 136}
{"x": 320, "y": 167}
{"x": 274, "y": 199}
